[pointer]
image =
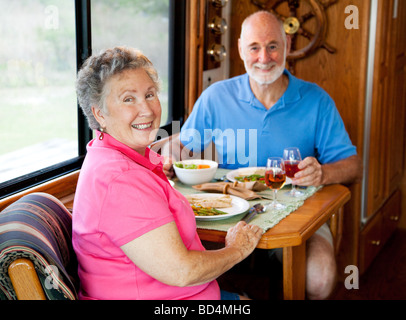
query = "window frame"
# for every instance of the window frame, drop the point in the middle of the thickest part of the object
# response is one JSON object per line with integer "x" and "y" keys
{"x": 176, "y": 92}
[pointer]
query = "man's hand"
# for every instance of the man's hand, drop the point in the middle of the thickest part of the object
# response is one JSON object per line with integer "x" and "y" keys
{"x": 168, "y": 167}
{"x": 312, "y": 173}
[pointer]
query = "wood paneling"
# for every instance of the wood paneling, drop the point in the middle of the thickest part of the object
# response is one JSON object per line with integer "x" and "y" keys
{"x": 63, "y": 188}
{"x": 194, "y": 53}
{"x": 376, "y": 174}
{"x": 239, "y": 11}
{"x": 396, "y": 112}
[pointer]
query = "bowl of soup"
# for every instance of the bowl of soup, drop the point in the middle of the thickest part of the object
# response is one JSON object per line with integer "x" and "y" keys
{"x": 195, "y": 171}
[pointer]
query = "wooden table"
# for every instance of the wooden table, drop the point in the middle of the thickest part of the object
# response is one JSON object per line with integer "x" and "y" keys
{"x": 291, "y": 235}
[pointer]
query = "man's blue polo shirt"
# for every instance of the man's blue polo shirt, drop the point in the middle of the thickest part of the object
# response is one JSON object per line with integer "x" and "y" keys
{"x": 246, "y": 133}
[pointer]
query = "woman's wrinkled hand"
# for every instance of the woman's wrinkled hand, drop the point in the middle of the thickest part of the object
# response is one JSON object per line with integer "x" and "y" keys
{"x": 244, "y": 237}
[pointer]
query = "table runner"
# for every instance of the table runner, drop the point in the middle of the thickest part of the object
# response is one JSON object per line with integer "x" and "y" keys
{"x": 265, "y": 220}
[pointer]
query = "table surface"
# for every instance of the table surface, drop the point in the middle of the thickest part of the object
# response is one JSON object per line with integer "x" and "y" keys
{"x": 298, "y": 226}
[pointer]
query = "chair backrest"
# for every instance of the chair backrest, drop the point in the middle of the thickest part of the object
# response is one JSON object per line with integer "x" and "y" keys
{"x": 38, "y": 227}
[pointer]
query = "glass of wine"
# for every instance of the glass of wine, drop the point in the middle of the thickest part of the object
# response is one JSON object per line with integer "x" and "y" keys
{"x": 275, "y": 178}
{"x": 292, "y": 157}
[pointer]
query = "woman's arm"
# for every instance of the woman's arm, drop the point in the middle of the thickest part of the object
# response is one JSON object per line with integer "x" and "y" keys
{"x": 162, "y": 254}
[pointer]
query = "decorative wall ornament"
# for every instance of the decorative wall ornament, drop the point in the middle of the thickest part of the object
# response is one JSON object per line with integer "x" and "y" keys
{"x": 294, "y": 24}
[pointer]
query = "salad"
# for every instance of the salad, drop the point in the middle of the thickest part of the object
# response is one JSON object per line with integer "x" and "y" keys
{"x": 191, "y": 166}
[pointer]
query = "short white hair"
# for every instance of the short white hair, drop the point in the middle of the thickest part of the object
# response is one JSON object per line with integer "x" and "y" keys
{"x": 267, "y": 14}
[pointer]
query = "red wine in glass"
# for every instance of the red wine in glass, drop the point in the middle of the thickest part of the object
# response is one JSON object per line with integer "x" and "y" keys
{"x": 291, "y": 167}
{"x": 292, "y": 158}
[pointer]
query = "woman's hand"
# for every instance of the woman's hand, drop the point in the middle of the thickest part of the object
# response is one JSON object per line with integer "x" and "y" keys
{"x": 244, "y": 237}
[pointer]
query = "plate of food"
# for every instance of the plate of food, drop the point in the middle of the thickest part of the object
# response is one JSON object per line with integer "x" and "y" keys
{"x": 250, "y": 174}
{"x": 216, "y": 206}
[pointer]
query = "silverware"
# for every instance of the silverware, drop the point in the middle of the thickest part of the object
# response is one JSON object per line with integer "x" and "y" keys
{"x": 223, "y": 178}
{"x": 253, "y": 211}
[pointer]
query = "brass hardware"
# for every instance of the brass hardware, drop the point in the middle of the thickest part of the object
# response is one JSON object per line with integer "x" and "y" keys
{"x": 217, "y": 52}
{"x": 291, "y": 25}
{"x": 376, "y": 242}
{"x": 218, "y": 25}
{"x": 394, "y": 218}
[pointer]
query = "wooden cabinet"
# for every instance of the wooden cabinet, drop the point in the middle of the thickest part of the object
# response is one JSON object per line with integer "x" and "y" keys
{"x": 381, "y": 226}
{"x": 391, "y": 213}
{"x": 387, "y": 126}
{"x": 386, "y": 153}
{"x": 371, "y": 242}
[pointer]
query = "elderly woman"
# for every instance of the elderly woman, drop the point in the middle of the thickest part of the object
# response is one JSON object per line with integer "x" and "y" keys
{"x": 134, "y": 235}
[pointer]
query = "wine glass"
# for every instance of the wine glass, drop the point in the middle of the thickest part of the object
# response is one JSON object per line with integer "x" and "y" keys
{"x": 275, "y": 178}
{"x": 291, "y": 157}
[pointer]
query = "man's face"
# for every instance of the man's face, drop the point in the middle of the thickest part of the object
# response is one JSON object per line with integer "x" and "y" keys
{"x": 263, "y": 49}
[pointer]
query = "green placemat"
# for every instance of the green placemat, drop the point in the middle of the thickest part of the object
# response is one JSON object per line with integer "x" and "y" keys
{"x": 265, "y": 220}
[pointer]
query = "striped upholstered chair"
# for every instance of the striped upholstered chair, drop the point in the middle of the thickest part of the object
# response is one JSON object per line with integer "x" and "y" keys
{"x": 37, "y": 260}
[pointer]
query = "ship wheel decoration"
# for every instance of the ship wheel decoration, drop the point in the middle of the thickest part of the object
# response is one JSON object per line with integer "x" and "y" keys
{"x": 294, "y": 25}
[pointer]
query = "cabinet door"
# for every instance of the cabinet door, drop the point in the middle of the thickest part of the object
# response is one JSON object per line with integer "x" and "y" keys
{"x": 387, "y": 147}
{"x": 396, "y": 109}
{"x": 379, "y": 131}
{"x": 370, "y": 241}
{"x": 391, "y": 215}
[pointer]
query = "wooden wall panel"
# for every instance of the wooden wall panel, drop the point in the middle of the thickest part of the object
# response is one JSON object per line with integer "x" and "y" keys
{"x": 397, "y": 96}
{"x": 397, "y": 163}
{"x": 194, "y": 53}
{"x": 376, "y": 172}
{"x": 239, "y": 11}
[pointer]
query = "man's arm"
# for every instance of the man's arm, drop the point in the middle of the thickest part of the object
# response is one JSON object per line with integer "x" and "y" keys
{"x": 172, "y": 150}
{"x": 348, "y": 170}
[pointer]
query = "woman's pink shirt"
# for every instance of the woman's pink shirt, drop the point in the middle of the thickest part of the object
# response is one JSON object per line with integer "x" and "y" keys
{"x": 120, "y": 196}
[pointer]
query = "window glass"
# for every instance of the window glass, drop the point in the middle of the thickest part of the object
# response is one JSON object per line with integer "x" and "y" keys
{"x": 38, "y": 120}
{"x": 139, "y": 24}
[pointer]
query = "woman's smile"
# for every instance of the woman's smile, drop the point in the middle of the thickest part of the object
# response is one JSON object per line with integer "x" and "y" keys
{"x": 142, "y": 126}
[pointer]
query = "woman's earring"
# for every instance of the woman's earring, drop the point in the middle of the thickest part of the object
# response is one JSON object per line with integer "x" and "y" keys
{"x": 101, "y": 134}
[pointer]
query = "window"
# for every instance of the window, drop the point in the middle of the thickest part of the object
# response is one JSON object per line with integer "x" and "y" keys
{"x": 43, "y": 133}
{"x": 110, "y": 27}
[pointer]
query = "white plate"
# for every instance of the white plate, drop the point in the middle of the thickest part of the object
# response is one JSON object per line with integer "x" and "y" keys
{"x": 248, "y": 171}
{"x": 238, "y": 205}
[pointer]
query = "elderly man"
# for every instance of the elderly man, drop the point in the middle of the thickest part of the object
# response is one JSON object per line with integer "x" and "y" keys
{"x": 256, "y": 115}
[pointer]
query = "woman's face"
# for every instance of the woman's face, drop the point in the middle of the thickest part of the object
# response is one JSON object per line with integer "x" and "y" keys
{"x": 133, "y": 109}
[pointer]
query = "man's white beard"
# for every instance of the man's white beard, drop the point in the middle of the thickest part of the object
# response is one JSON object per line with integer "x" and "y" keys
{"x": 269, "y": 78}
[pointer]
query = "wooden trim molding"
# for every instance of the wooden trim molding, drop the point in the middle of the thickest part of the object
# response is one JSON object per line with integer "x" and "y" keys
{"x": 62, "y": 188}
{"x": 195, "y": 46}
